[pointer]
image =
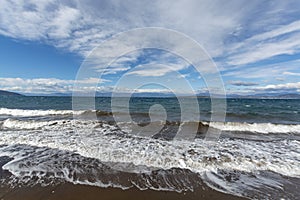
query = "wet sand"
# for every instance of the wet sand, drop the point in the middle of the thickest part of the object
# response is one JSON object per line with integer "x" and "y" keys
{"x": 68, "y": 191}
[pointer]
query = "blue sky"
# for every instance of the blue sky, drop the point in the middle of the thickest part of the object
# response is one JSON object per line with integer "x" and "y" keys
{"x": 255, "y": 44}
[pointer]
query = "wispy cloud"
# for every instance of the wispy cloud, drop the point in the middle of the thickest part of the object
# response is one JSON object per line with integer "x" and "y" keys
{"x": 262, "y": 72}
{"x": 155, "y": 69}
{"x": 79, "y": 26}
{"x": 282, "y": 40}
{"x": 291, "y": 73}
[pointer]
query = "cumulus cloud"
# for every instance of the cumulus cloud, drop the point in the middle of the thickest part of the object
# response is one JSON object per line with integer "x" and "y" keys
{"x": 151, "y": 90}
{"x": 286, "y": 87}
{"x": 46, "y": 85}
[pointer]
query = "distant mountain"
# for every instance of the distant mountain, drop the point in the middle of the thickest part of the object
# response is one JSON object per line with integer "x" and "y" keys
{"x": 7, "y": 93}
{"x": 139, "y": 94}
{"x": 54, "y": 94}
{"x": 206, "y": 95}
{"x": 170, "y": 95}
{"x": 153, "y": 94}
{"x": 289, "y": 96}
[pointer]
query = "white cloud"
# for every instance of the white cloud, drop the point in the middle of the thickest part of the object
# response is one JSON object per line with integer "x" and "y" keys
{"x": 291, "y": 73}
{"x": 235, "y": 33}
{"x": 46, "y": 85}
{"x": 155, "y": 69}
{"x": 281, "y": 87}
{"x": 260, "y": 50}
{"x": 261, "y": 72}
{"x": 284, "y": 29}
{"x": 65, "y": 20}
{"x": 156, "y": 90}
{"x": 35, "y": 20}
{"x": 79, "y": 26}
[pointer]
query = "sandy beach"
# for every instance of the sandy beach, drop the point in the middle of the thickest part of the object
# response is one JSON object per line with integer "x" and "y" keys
{"x": 69, "y": 191}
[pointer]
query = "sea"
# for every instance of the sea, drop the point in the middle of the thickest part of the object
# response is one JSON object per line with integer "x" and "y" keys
{"x": 44, "y": 141}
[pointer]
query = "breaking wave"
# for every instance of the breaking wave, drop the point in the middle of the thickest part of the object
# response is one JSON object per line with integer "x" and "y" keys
{"x": 99, "y": 153}
{"x": 261, "y": 128}
{"x": 25, "y": 113}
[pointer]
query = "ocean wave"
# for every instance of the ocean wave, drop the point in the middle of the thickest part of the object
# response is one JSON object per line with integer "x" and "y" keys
{"x": 16, "y": 124}
{"x": 109, "y": 144}
{"x": 32, "y": 165}
{"x": 28, "y": 124}
{"x": 263, "y": 128}
{"x": 99, "y": 154}
{"x": 254, "y": 128}
{"x": 45, "y": 165}
{"x": 34, "y": 113}
{"x": 28, "y": 113}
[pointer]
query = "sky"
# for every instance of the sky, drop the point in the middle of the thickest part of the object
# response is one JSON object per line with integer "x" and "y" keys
{"x": 254, "y": 44}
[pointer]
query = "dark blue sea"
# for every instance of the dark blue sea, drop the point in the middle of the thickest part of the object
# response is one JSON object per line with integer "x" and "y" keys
{"x": 278, "y": 111}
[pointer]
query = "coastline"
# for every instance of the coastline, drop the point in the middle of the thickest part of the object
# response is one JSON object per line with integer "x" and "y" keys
{"x": 68, "y": 191}
{"x": 71, "y": 191}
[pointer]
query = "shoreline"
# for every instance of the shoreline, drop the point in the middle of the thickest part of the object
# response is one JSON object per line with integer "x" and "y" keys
{"x": 71, "y": 191}
{"x": 68, "y": 191}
